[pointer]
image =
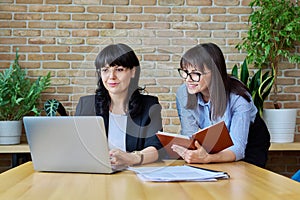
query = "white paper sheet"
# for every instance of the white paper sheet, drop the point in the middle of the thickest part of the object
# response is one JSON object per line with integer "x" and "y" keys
{"x": 177, "y": 173}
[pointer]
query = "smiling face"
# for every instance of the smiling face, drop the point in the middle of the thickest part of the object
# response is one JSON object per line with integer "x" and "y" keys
{"x": 118, "y": 70}
{"x": 201, "y": 86}
{"x": 116, "y": 79}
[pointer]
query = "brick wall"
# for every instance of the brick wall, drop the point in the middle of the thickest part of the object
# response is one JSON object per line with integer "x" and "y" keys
{"x": 64, "y": 36}
{"x": 285, "y": 163}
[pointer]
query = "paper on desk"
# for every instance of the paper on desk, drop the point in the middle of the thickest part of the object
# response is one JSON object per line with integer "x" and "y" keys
{"x": 177, "y": 173}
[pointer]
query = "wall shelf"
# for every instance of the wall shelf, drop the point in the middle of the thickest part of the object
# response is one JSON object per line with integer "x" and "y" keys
{"x": 293, "y": 146}
{"x": 15, "y": 148}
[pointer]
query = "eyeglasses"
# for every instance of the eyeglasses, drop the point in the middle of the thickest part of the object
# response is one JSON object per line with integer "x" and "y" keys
{"x": 117, "y": 69}
{"x": 195, "y": 76}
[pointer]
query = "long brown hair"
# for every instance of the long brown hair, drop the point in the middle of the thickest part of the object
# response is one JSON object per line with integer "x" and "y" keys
{"x": 211, "y": 56}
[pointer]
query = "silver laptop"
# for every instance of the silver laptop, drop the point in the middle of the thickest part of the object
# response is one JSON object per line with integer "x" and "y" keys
{"x": 68, "y": 144}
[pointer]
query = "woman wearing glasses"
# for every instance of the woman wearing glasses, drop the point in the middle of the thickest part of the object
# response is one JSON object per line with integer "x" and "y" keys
{"x": 131, "y": 119}
{"x": 210, "y": 95}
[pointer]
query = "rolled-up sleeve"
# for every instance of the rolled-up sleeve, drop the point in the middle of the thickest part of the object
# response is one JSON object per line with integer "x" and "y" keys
{"x": 242, "y": 113}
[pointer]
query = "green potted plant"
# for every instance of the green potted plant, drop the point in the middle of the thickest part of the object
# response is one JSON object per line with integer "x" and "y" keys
{"x": 274, "y": 30}
{"x": 19, "y": 96}
{"x": 53, "y": 107}
{"x": 273, "y": 33}
{"x": 259, "y": 84}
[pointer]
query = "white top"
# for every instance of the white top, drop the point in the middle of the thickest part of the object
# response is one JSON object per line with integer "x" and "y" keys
{"x": 117, "y": 131}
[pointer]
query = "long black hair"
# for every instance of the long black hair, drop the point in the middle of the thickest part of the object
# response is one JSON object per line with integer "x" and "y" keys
{"x": 221, "y": 85}
{"x": 118, "y": 55}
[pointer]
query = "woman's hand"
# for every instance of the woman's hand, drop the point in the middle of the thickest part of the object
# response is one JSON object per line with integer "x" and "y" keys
{"x": 121, "y": 158}
{"x": 199, "y": 155}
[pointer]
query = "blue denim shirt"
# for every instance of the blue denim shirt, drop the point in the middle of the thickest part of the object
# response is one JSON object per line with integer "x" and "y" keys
{"x": 237, "y": 117}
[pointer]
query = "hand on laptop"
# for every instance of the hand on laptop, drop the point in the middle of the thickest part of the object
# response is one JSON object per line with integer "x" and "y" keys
{"x": 121, "y": 158}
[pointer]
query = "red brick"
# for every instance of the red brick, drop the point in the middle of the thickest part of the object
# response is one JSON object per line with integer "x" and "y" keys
{"x": 142, "y": 18}
{"x": 227, "y": 2}
{"x": 71, "y": 25}
{"x": 185, "y": 10}
{"x": 85, "y": 33}
{"x": 13, "y": 24}
{"x": 5, "y": 16}
{"x": 58, "y": 17}
{"x": 72, "y": 41}
{"x": 113, "y": 2}
{"x": 41, "y": 57}
{"x": 71, "y": 9}
{"x": 27, "y": 48}
{"x": 113, "y": 17}
{"x": 56, "y": 65}
{"x": 143, "y": 2}
{"x": 100, "y": 9}
{"x": 157, "y": 25}
{"x": 5, "y": 49}
{"x": 170, "y": 18}
{"x": 5, "y": 33}
{"x": 13, "y": 8}
{"x": 27, "y": 16}
{"x": 85, "y": 49}
{"x": 56, "y": 33}
{"x": 29, "y": 2}
{"x": 41, "y": 41}
{"x": 12, "y": 41}
{"x": 42, "y": 25}
{"x": 42, "y": 8}
{"x": 100, "y": 25}
{"x": 30, "y": 65}
{"x": 171, "y": 2}
{"x": 129, "y": 9}
{"x": 70, "y": 73}
{"x": 27, "y": 33}
{"x": 85, "y": 17}
{"x": 128, "y": 25}
{"x": 199, "y": 3}
{"x": 58, "y": 1}
{"x": 70, "y": 57}
{"x": 55, "y": 49}
{"x": 224, "y": 18}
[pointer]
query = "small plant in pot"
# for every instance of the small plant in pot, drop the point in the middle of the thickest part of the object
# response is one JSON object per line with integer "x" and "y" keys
{"x": 273, "y": 33}
{"x": 53, "y": 107}
{"x": 19, "y": 97}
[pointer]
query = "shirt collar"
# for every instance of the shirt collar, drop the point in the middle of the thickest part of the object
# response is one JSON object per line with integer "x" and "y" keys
{"x": 201, "y": 101}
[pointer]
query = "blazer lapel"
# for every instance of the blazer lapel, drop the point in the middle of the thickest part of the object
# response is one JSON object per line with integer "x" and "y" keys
{"x": 133, "y": 132}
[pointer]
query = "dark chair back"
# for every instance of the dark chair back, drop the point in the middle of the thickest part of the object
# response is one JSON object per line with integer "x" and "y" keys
{"x": 258, "y": 143}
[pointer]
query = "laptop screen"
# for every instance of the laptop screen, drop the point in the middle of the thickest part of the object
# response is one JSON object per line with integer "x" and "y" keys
{"x": 68, "y": 144}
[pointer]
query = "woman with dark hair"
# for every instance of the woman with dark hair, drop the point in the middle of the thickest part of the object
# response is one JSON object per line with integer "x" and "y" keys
{"x": 131, "y": 119}
{"x": 210, "y": 95}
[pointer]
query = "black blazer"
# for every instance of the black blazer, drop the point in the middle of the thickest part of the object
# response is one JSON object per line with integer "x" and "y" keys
{"x": 141, "y": 130}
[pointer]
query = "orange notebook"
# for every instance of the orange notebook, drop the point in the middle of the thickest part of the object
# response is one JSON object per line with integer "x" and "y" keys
{"x": 213, "y": 139}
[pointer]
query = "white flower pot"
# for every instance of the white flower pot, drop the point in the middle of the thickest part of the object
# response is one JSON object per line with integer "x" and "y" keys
{"x": 10, "y": 132}
{"x": 281, "y": 124}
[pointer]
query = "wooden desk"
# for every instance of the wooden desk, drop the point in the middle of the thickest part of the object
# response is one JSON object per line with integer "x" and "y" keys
{"x": 247, "y": 182}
